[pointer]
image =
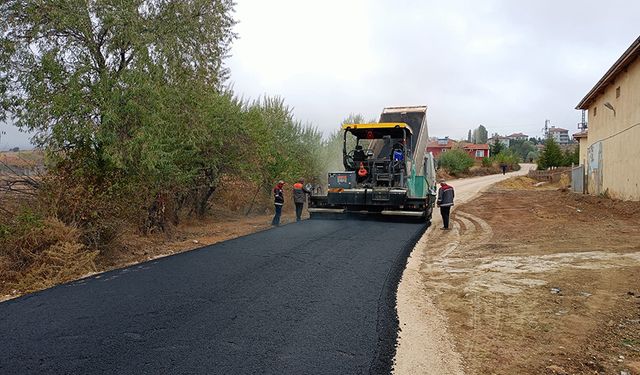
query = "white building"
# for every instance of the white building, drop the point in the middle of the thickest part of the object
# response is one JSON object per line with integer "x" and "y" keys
{"x": 561, "y": 136}
{"x": 504, "y": 140}
{"x": 518, "y": 137}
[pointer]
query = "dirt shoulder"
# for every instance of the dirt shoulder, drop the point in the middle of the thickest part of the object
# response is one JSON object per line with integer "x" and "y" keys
{"x": 220, "y": 225}
{"x": 538, "y": 281}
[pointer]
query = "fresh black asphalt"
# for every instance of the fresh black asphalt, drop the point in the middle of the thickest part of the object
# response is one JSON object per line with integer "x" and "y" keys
{"x": 316, "y": 297}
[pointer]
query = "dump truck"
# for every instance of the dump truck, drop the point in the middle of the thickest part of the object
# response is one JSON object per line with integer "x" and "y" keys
{"x": 387, "y": 169}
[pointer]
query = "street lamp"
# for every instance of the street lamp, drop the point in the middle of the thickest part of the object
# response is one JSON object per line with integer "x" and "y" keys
{"x": 608, "y": 105}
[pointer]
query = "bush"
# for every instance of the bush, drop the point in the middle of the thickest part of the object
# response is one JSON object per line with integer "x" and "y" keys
{"x": 456, "y": 161}
{"x": 508, "y": 157}
{"x": 37, "y": 253}
{"x": 487, "y": 162}
{"x": 571, "y": 157}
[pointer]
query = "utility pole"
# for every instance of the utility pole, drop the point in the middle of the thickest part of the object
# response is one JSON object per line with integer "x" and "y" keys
{"x": 545, "y": 130}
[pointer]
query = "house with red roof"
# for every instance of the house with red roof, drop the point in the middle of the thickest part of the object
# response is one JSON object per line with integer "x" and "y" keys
{"x": 440, "y": 145}
{"x": 477, "y": 151}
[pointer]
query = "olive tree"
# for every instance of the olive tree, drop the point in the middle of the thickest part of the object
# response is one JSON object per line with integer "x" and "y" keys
{"x": 82, "y": 74}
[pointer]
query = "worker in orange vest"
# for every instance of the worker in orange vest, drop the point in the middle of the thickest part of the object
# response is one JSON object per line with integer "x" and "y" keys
{"x": 299, "y": 197}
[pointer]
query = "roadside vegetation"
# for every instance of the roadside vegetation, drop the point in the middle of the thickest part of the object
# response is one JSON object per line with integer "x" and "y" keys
{"x": 138, "y": 128}
{"x": 552, "y": 156}
{"x": 458, "y": 163}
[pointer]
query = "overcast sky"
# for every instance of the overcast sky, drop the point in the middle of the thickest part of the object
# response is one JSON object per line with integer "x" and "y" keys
{"x": 507, "y": 65}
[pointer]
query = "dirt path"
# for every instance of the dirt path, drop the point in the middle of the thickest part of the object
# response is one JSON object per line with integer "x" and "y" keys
{"x": 530, "y": 280}
{"x": 424, "y": 343}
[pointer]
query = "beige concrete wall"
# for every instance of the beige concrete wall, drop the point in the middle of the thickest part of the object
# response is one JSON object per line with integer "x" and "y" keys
{"x": 582, "y": 143}
{"x": 620, "y": 145}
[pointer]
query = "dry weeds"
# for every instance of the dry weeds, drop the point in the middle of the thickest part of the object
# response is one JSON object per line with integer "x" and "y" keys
{"x": 52, "y": 253}
{"x": 47, "y": 254}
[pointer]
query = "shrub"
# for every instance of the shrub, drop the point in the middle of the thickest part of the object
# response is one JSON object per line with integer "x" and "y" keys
{"x": 487, "y": 162}
{"x": 456, "y": 161}
{"x": 571, "y": 157}
{"x": 508, "y": 157}
{"x": 37, "y": 253}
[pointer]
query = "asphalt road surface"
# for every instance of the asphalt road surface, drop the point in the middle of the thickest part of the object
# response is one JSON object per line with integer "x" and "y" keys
{"x": 316, "y": 297}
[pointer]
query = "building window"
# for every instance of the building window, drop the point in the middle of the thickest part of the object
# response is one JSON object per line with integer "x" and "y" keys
{"x": 479, "y": 153}
{"x": 595, "y": 111}
{"x": 618, "y": 92}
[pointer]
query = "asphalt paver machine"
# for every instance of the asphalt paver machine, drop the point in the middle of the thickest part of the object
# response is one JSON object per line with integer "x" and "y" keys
{"x": 387, "y": 169}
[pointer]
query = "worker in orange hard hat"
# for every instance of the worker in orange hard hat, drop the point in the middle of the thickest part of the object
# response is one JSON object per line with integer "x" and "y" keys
{"x": 300, "y": 193}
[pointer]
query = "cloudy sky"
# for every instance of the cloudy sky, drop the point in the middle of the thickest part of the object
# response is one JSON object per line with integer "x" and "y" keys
{"x": 508, "y": 65}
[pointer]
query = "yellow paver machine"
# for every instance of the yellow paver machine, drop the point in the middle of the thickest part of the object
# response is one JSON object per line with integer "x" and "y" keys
{"x": 387, "y": 169}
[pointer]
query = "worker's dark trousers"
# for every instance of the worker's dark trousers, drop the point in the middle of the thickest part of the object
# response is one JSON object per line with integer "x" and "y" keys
{"x": 444, "y": 211}
{"x": 276, "y": 217}
{"x": 299, "y": 207}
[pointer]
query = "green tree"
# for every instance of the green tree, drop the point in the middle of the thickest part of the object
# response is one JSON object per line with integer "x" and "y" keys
{"x": 284, "y": 147}
{"x": 82, "y": 75}
{"x": 481, "y": 135}
{"x": 551, "y": 155}
{"x": 456, "y": 161}
{"x": 522, "y": 148}
{"x": 496, "y": 147}
{"x": 571, "y": 156}
{"x": 124, "y": 94}
{"x": 531, "y": 156}
{"x": 508, "y": 157}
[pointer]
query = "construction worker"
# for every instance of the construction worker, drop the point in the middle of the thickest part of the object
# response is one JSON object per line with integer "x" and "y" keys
{"x": 503, "y": 167}
{"x": 299, "y": 197}
{"x": 445, "y": 202}
{"x": 278, "y": 201}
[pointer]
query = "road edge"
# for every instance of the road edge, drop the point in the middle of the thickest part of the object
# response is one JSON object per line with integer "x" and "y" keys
{"x": 388, "y": 323}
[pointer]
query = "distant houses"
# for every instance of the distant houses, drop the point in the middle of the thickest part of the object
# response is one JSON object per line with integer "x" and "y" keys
{"x": 609, "y": 149}
{"x": 506, "y": 140}
{"x": 477, "y": 151}
{"x": 561, "y": 136}
{"x": 518, "y": 137}
{"x": 438, "y": 146}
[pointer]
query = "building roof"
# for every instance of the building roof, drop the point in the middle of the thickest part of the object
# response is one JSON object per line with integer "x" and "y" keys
{"x": 627, "y": 58}
{"x": 557, "y": 130}
{"x": 434, "y": 144}
{"x": 581, "y": 135}
{"x": 471, "y": 146}
{"x": 517, "y": 135}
